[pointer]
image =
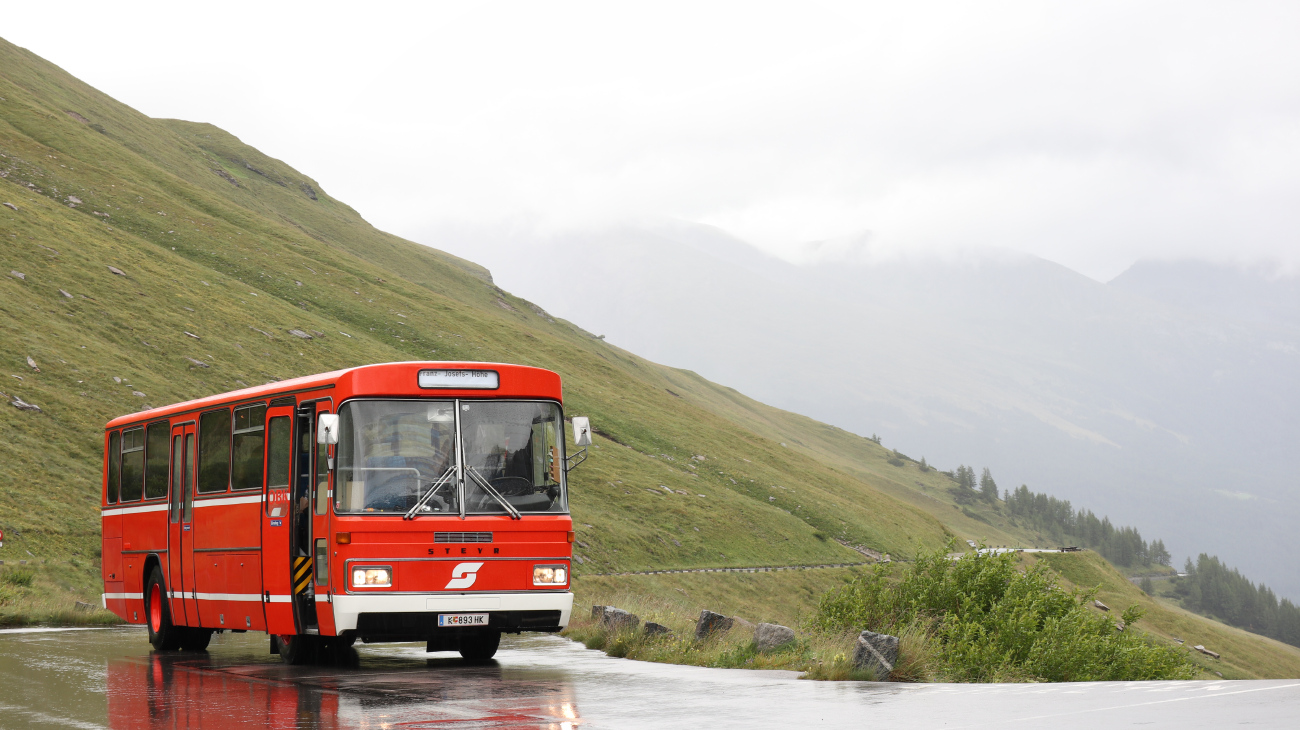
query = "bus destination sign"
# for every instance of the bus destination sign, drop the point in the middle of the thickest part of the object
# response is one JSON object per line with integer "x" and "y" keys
{"x": 458, "y": 379}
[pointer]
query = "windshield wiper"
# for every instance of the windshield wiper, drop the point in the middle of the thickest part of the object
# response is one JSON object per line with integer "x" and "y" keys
{"x": 514, "y": 513}
{"x": 410, "y": 515}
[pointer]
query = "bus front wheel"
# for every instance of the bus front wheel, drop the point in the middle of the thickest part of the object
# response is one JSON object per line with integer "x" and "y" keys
{"x": 480, "y": 647}
{"x": 296, "y": 648}
{"x": 163, "y": 634}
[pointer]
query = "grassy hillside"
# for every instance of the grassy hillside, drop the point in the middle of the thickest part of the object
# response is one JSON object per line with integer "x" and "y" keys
{"x": 1243, "y": 655}
{"x": 223, "y": 250}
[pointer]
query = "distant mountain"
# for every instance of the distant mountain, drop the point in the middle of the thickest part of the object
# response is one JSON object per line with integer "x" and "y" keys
{"x": 1245, "y": 294}
{"x": 1166, "y": 398}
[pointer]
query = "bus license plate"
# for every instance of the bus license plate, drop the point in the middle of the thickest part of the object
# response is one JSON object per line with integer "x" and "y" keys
{"x": 462, "y": 619}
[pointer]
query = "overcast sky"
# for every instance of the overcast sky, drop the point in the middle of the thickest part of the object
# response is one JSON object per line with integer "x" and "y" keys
{"x": 1089, "y": 133}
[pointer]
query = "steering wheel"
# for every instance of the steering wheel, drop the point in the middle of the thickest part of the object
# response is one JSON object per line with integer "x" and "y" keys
{"x": 512, "y": 486}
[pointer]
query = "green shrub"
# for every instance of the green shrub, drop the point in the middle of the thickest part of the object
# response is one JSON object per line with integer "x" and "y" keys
{"x": 18, "y": 577}
{"x": 987, "y": 621}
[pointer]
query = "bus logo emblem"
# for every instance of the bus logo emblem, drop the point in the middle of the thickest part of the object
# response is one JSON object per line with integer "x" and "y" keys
{"x": 463, "y": 575}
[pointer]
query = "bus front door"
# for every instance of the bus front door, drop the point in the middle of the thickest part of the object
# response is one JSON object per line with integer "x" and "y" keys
{"x": 276, "y": 522}
{"x": 321, "y": 542}
{"x": 180, "y": 537}
{"x": 300, "y": 545}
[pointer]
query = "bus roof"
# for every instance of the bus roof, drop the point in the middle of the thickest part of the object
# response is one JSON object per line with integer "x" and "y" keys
{"x": 381, "y": 379}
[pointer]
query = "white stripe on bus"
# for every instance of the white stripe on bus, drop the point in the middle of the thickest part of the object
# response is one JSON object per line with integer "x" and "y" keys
{"x": 121, "y": 596}
{"x": 134, "y": 510}
{"x": 112, "y": 511}
{"x": 230, "y": 597}
{"x": 251, "y": 499}
{"x": 222, "y": 597}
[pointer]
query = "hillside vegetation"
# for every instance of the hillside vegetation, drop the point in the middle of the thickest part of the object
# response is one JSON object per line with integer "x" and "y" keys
{"x": 156, "y": 261}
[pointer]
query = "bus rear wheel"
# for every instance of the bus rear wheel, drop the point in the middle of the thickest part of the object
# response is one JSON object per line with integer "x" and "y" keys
{"x": 196, "y": 639}
{"x": 163, "y": 634}
{"x": 478, "y": 648}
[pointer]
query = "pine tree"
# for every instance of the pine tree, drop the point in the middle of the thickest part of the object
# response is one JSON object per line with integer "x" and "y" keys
{"x": 1159, "y": 554}
{"x": 964, "y": 492}
{"x": 1148, "y": 587}
{"x": 988, "y": 487}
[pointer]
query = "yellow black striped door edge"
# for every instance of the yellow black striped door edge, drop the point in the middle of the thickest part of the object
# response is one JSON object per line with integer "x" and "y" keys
{"x": 301, "y": 574}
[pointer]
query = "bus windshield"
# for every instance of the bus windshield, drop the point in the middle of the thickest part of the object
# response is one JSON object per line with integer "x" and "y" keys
{"x": 401, "y": 456}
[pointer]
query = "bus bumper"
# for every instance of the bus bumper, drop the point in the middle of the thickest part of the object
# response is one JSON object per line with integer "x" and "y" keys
{"x": 413, "y": 613}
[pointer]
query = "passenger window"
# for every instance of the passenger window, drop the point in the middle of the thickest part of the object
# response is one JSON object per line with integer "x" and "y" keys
{"x": 250, "y": 436}
{"x": 155, "y": 460}
{"x": 114, "y": 465}
{"x": 214, "y": 451}
{"x": 278, "y": 444}
{"x": 132, "y": 465}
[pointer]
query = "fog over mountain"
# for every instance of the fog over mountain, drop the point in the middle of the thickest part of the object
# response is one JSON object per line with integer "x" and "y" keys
{"x": 1165, "y": 398}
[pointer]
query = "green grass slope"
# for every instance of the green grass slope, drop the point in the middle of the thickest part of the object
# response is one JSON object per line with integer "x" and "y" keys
{"x": 927, "y": 490}
{"x": 222, "y": 250}
{"x": 1243, "y": 655}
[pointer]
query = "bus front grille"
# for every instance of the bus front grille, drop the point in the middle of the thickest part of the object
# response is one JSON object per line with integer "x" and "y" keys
{"x": 462, "y": 537}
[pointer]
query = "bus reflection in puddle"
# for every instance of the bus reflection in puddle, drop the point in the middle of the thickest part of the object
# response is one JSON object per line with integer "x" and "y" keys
{"x": 165, "y": 690}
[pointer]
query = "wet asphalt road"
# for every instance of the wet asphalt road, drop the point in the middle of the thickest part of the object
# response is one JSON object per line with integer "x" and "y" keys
{"x": 109, "y": 678}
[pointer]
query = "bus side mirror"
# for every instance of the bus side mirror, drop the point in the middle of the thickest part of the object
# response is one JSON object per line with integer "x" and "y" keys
{"x": 581, "y": 431}
{"x": 327, "y": 428}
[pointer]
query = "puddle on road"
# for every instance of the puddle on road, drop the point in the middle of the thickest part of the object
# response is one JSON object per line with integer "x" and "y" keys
{"x": 110, "y": 679}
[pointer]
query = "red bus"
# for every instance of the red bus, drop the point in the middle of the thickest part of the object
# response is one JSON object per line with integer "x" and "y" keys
{"x": 412, "y": 501}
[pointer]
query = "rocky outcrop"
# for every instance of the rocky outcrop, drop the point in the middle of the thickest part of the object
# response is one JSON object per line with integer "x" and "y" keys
{"x": 711, "y": 623}
{"x": 1206, "y": 652}
{"x": 654, "y": 629}
{"x": 615, "y": 619}
{"x": 771, "y": 636}
{"x": 877, "y": 653}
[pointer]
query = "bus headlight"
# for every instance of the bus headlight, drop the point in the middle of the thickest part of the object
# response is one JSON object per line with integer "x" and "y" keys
{"x": 372, "y": 577}
{"x": 550, "y": 575}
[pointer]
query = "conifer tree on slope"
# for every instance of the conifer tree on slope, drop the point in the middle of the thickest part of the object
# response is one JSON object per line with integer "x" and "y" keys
{"x": 988, "y": 487}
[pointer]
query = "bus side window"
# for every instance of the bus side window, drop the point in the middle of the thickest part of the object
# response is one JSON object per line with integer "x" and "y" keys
{"x": 114, "y": 465}
{"x": 322, "y": 478}
{"x": 250, "y": 438}
{"x": 132, "y": 465}
{"x": 155, "y": 460}
{"x": 278, "y": 444}
{"x": 214, "y": 451}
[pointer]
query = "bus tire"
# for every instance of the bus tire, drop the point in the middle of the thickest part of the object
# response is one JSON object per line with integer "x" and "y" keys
{"x": 477, "y": 648}
{"x": 296, "y": 648}
{"x": 163, "y": 634}
{"x": 196, "y": 639}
